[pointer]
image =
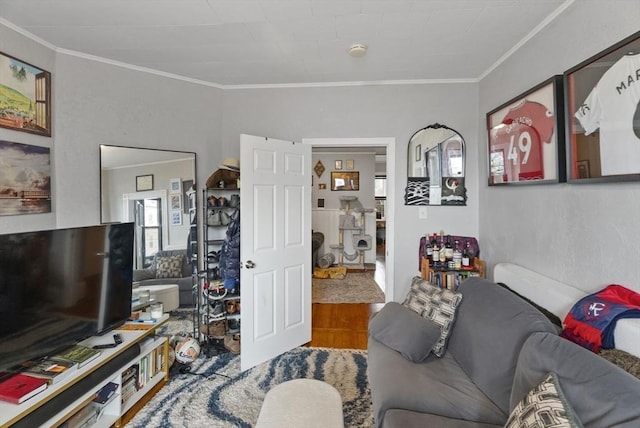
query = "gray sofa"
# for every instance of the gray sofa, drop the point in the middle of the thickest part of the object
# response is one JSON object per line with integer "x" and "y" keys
{"x": 500, "y": 347}
{"x": 149, "y": 276}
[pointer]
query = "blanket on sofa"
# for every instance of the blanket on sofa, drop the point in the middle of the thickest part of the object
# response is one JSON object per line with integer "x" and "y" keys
{"x": 592, "y": 319}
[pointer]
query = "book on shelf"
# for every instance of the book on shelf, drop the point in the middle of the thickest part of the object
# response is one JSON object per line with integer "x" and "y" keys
{"x": 19, "y": 387}
{"x": 105, "y": 393}
{"x": 52, "y": 370}
{"x": 82, "y": 355}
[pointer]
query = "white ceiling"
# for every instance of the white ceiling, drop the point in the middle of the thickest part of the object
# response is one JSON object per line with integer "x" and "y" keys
{"x": 231, "y": 43}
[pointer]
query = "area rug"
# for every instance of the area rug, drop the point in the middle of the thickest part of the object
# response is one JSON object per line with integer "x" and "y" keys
{"x": 356, "y": 287}
{"x": 215, "y": 393}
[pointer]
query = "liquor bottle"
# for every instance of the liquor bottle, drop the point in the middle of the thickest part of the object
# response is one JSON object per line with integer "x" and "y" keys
{"x": 443, "y": 250}
{"x": 428, "y": 249}
{"x": 466, "y": 256}
{"x": 457, "y": 255}
{"x": 435, "y": 249}
{"x": 448, "y": 249}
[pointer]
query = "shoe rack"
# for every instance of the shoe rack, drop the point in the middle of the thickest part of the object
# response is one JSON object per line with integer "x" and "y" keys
{"x": 219, "y": 307}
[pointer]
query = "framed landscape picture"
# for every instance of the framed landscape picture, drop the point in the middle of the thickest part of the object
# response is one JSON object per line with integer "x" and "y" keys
{"x": 25, "y": 96}
{"x": 526, "y": 137}
{"x": 602, "y": 97}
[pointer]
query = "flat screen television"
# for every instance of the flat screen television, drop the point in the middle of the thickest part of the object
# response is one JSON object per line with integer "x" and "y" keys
{"x": 58, "y": 287}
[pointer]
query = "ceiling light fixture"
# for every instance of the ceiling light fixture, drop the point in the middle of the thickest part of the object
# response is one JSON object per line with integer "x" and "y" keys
{"x": 357, "y": 50}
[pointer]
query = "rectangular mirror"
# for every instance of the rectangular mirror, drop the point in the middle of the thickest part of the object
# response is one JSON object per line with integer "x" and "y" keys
{"x": 139, "y": 185}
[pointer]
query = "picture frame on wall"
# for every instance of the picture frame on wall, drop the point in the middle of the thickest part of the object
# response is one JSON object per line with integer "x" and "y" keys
{"x": 602, "y": 101}
{"x": 175, "y": 201}
{"x": 29, "y": 90}
{"x": 526, "y": 137}
{"x": 144, "y": 182}
{"x": 345, "y": 180}
{"x": 175, "y": 185}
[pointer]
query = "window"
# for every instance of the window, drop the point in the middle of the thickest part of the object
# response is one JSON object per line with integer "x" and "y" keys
{"x": 380, "y": 194}
{"x": 148, "y": 216}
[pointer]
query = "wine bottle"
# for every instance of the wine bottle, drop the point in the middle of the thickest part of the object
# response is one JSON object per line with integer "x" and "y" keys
{"x": 428, "y": 249}
{"x": 443, "y": 250}
{"x": 448, "y": 250}
{"x": 466, "y": 256}
{"x": 457, "y": 255}
{"x": 435, "y": 250}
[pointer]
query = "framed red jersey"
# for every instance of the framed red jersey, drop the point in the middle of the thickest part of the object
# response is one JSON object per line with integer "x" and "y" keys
{"x": 526, "y": 139}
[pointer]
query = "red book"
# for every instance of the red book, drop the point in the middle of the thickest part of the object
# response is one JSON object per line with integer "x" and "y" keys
{"x": 19, "y": 388}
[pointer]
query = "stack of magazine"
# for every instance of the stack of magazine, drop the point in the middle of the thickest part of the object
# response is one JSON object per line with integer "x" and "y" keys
{"x": 57, "y": 367}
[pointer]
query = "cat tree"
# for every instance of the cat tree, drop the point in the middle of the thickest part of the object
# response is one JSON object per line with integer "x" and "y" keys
{"x": 349, "y": 223}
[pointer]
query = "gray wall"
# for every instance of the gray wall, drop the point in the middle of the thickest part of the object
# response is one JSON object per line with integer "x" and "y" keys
{"x": 586, "y": 235}
{"x": 369, "y": 111}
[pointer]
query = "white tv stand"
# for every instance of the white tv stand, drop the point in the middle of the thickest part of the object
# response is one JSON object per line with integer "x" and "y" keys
{"x": 154, "y": 350}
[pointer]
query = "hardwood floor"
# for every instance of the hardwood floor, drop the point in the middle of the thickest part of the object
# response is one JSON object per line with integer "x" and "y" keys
{"x": 341, "y": 325}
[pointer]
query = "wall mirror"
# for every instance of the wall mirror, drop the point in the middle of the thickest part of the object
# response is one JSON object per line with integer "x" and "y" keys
{"x": 155, "y": 190}
{"x": 436, "y": 167}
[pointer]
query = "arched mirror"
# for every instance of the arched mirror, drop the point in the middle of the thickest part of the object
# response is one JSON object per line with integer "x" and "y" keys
{"x": 436, "y": 167}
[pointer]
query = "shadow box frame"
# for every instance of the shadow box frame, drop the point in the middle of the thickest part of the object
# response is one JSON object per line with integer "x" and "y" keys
{"x": 550, "y": 90}
{"x": 353, "y": 176}
{"x": 41, "y": 102}
{"x": 579, "y": 82}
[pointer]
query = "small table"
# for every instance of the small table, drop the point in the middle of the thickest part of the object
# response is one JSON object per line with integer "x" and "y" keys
{"x": 168, "y": 294}
{"x": 308, "y": 403}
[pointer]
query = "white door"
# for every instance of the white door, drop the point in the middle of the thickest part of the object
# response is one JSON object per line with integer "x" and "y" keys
{"x": 275, "y": 247}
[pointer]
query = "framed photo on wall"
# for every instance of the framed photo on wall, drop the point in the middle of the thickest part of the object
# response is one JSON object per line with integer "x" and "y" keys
{"x": 602, "y": 97}
{"x": 26, "y": 90}
{"x": 345, "y": 180}
{"x": 526, "y": 137}
{"x": 144, "y": 182}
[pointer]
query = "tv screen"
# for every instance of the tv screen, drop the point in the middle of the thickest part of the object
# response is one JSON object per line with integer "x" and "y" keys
{"x": 60, "y": 286}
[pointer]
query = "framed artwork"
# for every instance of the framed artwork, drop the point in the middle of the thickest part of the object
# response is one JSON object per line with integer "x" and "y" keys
{"x": 322, "y": 186}
{"x": 25, "y": 96}
{"x": 338, "y": 164}
{"x": 349, "y": 164}
{"x": 174, "y": 185}
{"x": 319, "y": 169}
{"x": 345, "y": 180}
{"x": 175, "y": 201}
{"x": 526, "y": 137}
{"x": 176, "y": 218}
{"x": 144, "y": 182}
{"x": 186, "y": 187}
{"x": 26, "y": 179}
{"x": 603, "y": 115}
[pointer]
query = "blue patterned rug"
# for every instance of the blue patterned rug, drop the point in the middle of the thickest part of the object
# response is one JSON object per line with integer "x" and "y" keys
{"x": 215, "y": 393}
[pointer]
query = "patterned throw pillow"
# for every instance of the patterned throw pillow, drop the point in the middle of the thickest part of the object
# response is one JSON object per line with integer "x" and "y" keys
{"x": 169, "y": 267}
{"x": 544, "y": 406}
{"x": 437, "y": 304}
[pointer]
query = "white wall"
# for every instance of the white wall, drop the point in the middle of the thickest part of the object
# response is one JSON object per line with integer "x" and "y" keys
{"x": 585, "y": 235}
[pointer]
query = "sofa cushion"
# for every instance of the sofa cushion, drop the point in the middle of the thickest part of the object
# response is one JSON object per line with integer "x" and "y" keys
{"x": 544, "y": 406}
{"x": 405, "y": 331}
{"x": 142, "y": 274}
{"x": 437, "y": 304}
{"x": 436, "y": 385}
{"x": 602, "y": 394}
{"x": 491, "y": 326}
{"x": 169, "y": 267}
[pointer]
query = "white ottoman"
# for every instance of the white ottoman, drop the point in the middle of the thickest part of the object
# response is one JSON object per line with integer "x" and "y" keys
{"x": 305, "y": 403}
{"x": 168, "y": 294}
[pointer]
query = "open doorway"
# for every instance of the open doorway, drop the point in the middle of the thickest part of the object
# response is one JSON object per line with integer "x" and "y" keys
{"x": 343, "y": 158}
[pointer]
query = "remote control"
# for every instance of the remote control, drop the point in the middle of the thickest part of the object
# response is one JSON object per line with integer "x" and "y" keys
{"x": 117, "y": 338}
{"x": 105, "y": 346}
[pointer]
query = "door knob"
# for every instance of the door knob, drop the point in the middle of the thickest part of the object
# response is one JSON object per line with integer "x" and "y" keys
{"x": 249, "y": 264}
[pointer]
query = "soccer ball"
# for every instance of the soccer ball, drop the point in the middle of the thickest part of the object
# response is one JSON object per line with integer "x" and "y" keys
{"x": 177, "y": 338}
{"x": 187, "y": 351}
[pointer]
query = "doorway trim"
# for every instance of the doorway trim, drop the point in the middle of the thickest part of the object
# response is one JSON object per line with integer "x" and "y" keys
{"x": 390, "y": 144}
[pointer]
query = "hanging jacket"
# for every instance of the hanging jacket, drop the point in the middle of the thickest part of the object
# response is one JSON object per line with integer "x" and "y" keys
{"x": 230, "y": 253}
